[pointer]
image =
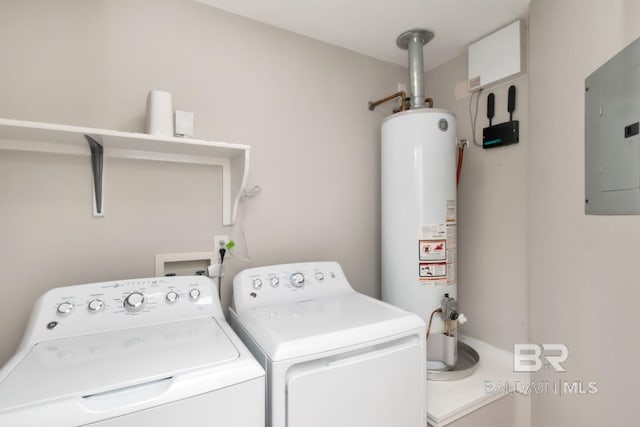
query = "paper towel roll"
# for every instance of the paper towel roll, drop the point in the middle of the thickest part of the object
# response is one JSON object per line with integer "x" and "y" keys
{"x": 159, "y": 113}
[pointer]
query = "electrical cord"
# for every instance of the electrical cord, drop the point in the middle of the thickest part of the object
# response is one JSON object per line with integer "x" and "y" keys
{"x": 247, "y": 195}
{"x": 473, "y": 117}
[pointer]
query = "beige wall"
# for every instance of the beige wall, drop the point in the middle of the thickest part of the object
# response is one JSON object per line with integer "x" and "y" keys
{"x": 583, "y": 271}
{"x": 492, "y": 210}
{"x": 300, "y": 104}
{"x": 569, "y": 276}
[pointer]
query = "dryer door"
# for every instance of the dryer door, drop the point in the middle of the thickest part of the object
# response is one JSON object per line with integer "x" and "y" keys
{"x": 381, "y": 386}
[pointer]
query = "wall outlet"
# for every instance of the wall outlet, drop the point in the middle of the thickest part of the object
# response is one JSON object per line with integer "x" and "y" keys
{"x": 220, "y": 241}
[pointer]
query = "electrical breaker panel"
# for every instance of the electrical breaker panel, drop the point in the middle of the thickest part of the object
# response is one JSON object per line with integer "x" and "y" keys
{"x": 612, "y": 135}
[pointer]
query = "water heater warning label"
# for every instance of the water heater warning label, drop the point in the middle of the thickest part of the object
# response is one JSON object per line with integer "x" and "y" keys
{"x": 437, "y": 253}
{"x": 435, "y": 271}
{"x": 433, "y": 250}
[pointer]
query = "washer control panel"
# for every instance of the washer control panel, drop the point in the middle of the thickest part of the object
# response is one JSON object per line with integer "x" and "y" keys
{"x": 288, "y": 283}
{"x": 105, "y": 306}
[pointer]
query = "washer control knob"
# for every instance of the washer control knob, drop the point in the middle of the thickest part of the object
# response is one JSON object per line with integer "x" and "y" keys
{"x": 134, "y": 301}
{"x": 275, "y": 281}
{"x": 297, "y": 280}
{"x": 319, "y": 276}
{"x": 257, "y": 283}
{"x": 64, "y": 308}
{"x": 171, "y": 297}
{"x": 194, "y": 294}
{"x": 95, "y": 305}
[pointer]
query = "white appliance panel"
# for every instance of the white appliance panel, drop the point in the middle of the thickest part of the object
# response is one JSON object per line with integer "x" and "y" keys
{"x": 96, "y": 363}
{"x": 223, "y": 408}
{"x": 293, "y": 330}
{"x": 359, "y": 390}
{"x": 323, "y": 332}
{"x": 113, "y": 314}
{"x": 102, "y": 352}
{"x": 273, "y": 285}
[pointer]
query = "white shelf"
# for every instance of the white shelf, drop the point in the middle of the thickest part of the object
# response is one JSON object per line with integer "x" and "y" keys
{"x": 448, "y": 401}
{"x": 20, "y": 135}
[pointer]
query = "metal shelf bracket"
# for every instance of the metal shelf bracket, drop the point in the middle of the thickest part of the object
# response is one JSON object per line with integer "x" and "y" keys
{"x": 97, "y": 157}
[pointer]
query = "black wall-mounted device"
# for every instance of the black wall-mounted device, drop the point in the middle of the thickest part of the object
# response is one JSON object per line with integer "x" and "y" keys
{"x": 506, "y": 133}
{"x": 491, "y": 107}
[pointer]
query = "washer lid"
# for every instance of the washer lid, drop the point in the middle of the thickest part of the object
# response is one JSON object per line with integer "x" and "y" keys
{"x": 309, "y": 327}
{"x": 85, "y": 365}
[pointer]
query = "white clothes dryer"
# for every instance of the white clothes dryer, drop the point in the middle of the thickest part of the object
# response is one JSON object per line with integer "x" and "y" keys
{"x": 144, "y": 352}
{"x": 333, "y": 357}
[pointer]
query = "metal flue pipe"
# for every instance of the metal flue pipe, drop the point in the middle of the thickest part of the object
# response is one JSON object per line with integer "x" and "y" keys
{"x": 412, "y": 41}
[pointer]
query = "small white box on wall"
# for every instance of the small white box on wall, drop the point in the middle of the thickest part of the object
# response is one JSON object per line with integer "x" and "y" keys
{"x": 184, "y": 123}
{"x": 497, "y": 57}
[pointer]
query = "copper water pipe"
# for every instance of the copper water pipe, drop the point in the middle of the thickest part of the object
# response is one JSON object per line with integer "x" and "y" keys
{"x": 402, "y": 94}
{"x": 403, "y": 107}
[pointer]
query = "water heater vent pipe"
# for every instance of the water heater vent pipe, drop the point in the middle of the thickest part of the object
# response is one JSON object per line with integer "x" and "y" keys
{"x": 412, "y": 41}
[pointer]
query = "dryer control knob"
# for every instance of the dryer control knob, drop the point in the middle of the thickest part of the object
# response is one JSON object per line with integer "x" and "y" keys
{"x": 319, "y": 276}
{"x": 194, "y": 294}
{"x": 134, "y": 301}
{"x": 95, "y": 305}
{"x": 257, "y": 283}
{"x": 297, "y": 280}
{"x": 171, "y": 297}
{"x": 275, "y": 281}
{"x": 64, "y": 308}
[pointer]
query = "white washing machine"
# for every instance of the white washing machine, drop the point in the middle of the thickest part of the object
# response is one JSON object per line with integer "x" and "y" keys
{"x": 333, "y": 357}
{"x": 145, "y": 352}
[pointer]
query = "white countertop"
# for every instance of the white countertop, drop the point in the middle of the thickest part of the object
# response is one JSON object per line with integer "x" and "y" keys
{"x": 448, "y": 401}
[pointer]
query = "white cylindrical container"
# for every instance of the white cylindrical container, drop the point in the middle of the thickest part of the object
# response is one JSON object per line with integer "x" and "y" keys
{"x": 159, "y": 120}
{"x": 418, "y": 215}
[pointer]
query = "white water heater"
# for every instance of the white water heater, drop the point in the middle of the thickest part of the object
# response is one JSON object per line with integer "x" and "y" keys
{"x": 418, "y": 216}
